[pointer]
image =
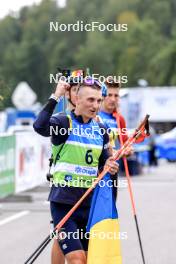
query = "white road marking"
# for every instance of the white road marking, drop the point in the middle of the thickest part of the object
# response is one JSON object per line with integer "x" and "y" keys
{"x": 13, "y": 217}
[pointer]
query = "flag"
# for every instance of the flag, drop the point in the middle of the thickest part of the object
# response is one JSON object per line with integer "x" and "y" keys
{"x": 103, "y": 225}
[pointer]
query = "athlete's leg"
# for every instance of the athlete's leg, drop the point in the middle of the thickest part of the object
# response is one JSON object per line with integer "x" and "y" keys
{"x": 76, "y": 257}
{"x": 69, "y": 239}
{"x": 57, "y": 257}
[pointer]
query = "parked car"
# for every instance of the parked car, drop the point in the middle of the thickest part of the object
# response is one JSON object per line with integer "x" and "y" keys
{"x": 166, "y": 145}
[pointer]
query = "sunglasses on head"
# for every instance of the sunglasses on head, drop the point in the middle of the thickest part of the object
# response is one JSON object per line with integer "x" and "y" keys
{"x": 89, "y": 81}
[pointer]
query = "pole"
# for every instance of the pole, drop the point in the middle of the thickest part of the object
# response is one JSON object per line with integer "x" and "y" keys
{"x": 117, "y": 116}
{"x": 118, "y": 154}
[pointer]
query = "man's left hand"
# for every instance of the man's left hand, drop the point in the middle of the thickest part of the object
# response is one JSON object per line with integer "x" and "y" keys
{"x": 113, "y": 166}
{"x": 129, "y": 151}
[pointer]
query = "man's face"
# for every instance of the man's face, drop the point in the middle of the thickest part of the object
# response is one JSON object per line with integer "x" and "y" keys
{"x": 111, "y": 101}
{"x": 88, "y": 101}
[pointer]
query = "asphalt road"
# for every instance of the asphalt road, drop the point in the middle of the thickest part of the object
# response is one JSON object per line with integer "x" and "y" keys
{"x": 25, "y": 223}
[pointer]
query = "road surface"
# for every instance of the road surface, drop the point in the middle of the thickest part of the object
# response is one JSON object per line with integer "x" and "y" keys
{"x": 24, "y": 221}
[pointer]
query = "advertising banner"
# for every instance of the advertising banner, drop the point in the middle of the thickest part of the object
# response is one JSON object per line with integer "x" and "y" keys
{"x": 32, "y": 154}
{"x": 7, "y": 165}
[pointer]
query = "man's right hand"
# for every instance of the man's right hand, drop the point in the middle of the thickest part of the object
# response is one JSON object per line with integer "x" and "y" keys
{"x": 61, "y": 88}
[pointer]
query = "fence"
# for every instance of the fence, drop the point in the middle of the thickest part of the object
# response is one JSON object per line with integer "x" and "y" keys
{"x": 23, "y": 162}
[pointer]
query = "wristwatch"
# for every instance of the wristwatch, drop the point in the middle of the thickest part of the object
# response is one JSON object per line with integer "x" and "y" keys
{"x": 53, "y": 96}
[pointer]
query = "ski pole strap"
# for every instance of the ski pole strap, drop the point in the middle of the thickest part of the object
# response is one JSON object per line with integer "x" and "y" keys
{"x": 143, "y": 129}
{"x": 139, "y": 133}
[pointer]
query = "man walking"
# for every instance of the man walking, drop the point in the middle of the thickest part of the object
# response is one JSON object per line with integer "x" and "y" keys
{"x": 80, "y": 151}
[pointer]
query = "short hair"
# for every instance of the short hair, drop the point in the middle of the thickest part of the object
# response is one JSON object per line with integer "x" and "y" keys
{"x": 95, "y": 86}
{"x": 111, "y": 83}
{"x": 73, "y": 84}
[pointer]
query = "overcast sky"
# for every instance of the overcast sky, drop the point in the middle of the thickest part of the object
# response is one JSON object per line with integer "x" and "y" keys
{"x": 14, "y": 5}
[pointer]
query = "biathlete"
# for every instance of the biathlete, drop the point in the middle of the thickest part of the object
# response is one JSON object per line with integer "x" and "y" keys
{"x": 78, "y": 157}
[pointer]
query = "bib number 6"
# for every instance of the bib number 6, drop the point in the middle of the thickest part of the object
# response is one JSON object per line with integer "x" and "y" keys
{"x": 89, "y": 157}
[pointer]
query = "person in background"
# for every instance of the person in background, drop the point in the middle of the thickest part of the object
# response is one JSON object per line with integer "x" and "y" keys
{"x": 153, "y": 161}
{"x": 110, "y": 108}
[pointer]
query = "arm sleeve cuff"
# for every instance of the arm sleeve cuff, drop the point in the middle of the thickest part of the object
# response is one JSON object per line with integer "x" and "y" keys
{"x": 50, "y": 106}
